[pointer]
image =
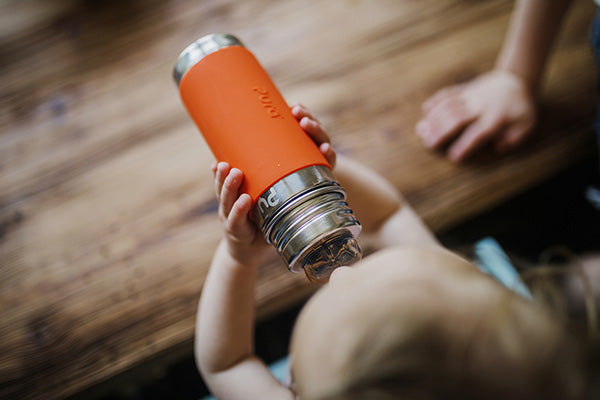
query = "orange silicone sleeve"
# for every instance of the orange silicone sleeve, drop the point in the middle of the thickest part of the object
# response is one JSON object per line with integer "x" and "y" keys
{"x": 245, "y": 120}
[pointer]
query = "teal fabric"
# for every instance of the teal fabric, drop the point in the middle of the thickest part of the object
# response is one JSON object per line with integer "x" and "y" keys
{"x": 491, "y": 259}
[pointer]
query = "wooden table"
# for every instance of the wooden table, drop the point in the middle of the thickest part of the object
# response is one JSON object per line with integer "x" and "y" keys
{"x": 107, "y": 212}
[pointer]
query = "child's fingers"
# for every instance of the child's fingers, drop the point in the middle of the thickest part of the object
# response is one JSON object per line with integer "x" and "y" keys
{"x": 230, "y": 190}
{"x": 328, "y": 153}
{"x": 221, "y": 172}
{"x": 310, "y": 124}
{"x": 445, "y": 121}
{"x": 299, "y": 112}
{"x": 513, "y": 136}
{"x": 474, "y": 137}
{"x": 314, "y": 130}
{"x": 440, "y": 96}
{"x": 238, "y": 217}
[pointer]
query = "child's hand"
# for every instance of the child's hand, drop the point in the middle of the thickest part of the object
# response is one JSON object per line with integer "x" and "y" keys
{"x": 244, "y": 243}
{"x": 497, "y": 107}
{"x": 314, "y": 129}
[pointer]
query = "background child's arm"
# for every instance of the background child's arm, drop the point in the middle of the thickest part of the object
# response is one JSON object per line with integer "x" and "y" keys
{"x": 533, "y": 28}
{"x": 224, "y": 347}
{"x": 497, "y": 107}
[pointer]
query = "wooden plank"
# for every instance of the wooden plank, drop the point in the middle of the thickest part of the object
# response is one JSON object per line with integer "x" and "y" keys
{"x": 107, "y": 216}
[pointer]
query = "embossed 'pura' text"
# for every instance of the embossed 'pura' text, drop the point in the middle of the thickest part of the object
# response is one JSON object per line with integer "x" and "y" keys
{"x": 267, "y": 103}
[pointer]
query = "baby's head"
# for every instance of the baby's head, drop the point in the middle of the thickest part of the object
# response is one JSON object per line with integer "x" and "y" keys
{"x": 426, "y": 324}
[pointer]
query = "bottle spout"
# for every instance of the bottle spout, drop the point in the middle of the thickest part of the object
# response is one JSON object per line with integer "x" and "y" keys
{"x": 329, "y": 253}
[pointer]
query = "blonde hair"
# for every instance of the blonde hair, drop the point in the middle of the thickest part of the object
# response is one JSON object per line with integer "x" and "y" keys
{"x": 545, "y": 280}
{"x": 511, "y": 349}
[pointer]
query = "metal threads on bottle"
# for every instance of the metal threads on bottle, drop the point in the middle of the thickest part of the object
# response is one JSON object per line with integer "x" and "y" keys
{"x": 304, "y": 215}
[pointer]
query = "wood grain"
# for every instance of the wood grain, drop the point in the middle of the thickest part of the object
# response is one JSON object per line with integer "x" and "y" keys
{"x": 107, "y": 216}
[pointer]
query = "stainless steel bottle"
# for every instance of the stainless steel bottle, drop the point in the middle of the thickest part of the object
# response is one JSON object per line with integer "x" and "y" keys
{"x": 298, "y": 204}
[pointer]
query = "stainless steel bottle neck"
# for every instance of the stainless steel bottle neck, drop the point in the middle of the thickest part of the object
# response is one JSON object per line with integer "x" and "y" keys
{"x": 305, "y": 211}
{"x": 201, "y": 48}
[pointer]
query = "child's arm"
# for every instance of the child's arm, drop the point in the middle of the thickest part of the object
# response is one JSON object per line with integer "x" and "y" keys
{"x": 225, "y": 322}
{"x": 386, "y": 218}
{"x": 498, "y": 107}
{"x": 533, "y": 28}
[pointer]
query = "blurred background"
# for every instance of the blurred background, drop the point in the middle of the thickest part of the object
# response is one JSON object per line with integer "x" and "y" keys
{"x": 107, "y": 212}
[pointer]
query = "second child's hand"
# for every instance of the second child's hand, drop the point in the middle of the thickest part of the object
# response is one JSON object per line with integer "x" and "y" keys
{"x": 496, "y": 108}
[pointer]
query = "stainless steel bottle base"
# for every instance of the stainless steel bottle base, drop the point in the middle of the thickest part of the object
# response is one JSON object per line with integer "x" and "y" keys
{"x": 306, "y": 217}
